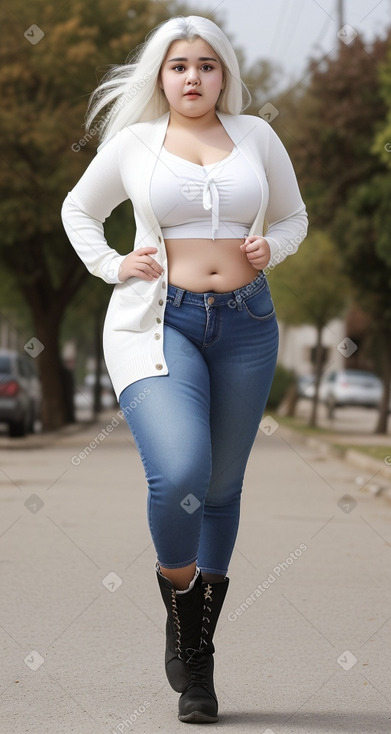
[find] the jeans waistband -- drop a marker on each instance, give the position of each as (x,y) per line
(176,295)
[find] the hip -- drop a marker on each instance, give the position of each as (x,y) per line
(245,315)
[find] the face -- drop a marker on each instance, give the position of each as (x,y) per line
(191,77)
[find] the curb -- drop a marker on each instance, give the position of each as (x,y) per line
(353,457)
(46,440)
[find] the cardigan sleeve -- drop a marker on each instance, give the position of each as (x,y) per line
(88,204)
(286,216)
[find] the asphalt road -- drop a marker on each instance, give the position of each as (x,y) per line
(303,640)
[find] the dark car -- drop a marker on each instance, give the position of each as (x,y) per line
(20,392)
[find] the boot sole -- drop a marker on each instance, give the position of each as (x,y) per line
(197,717)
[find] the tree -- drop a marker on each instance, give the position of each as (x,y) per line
(345,183)
(46,77)
(309,289)
(382,220)
(333,126)
(45,81)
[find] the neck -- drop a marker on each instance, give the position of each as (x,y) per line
(193,123)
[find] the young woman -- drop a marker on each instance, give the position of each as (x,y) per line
(190,336)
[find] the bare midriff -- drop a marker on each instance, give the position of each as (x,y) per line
(202,265)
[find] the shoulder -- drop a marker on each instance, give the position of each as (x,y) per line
(248,124)
(136,132)
(140,131)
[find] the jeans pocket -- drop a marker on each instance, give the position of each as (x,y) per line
(260,306)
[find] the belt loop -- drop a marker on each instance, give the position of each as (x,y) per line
(178,297)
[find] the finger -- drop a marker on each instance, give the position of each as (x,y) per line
(144,275)
(149,270)
(152,264)
(253,247)
(145,250)
(256,256)
(252,258)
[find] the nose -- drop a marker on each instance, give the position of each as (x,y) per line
(192,77)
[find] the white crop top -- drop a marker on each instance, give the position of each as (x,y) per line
(219,200)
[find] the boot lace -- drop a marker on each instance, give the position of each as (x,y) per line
(204,642)
(198,659)
(178,640)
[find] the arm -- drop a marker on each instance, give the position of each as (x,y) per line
(87,206)
(286,216)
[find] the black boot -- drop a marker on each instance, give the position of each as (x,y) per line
(184,619)
(198,703)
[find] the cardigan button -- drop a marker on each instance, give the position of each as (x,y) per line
(164,284)
(161,302)
(158,320)
(159,238)
(157,336)
(158,366)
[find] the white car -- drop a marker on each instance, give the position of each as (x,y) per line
(350,387)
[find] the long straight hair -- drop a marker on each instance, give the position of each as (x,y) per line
(132,89)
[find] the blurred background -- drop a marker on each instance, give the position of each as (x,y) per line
(320,73)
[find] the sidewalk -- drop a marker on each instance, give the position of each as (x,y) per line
(302,642)
(336,438)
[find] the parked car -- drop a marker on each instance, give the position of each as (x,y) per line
(20,392)
(306,386)
(84,396)
(350,387)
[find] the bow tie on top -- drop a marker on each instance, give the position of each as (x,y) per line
(210,201)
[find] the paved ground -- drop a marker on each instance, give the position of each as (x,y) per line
(354,423)
(303,641)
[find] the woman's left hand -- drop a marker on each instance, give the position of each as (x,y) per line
(257,250)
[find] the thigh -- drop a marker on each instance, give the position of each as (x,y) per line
(170,424)
(241,369)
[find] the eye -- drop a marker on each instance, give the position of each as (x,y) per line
(178,66)
(207,67)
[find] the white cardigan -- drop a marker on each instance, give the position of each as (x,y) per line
(122,169)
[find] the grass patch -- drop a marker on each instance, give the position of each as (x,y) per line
(376,452)
(298,424)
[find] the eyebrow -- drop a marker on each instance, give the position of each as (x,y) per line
(201,58)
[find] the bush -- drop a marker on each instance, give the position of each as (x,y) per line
(283,380)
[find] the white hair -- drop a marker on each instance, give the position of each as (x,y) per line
(133,91)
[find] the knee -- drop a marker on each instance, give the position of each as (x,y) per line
(223,494)
(187,476)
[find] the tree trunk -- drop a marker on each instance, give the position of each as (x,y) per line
(318,374)
(98,362)
(382,423)
(55,412)
(291,401)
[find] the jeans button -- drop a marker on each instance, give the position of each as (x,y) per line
(210,300)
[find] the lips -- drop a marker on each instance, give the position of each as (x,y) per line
(192,92)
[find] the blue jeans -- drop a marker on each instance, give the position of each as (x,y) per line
(194,428)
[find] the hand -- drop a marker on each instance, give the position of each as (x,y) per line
(257,250)
(140,264)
